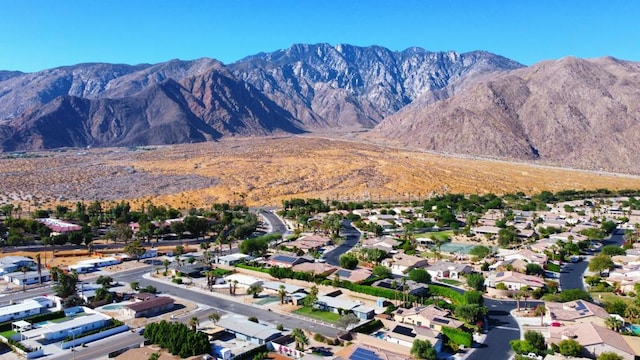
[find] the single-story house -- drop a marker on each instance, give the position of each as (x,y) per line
(404,334)
(514,281)
(594,339)
(28,278)
(289,288)
(243,329)
(244,280)
(401,263)
(448,269)
(59,226)
(21,310)
(414,288)
(9,264)
(577,311)
(286,261)
(356,275)
(526,255)
(336,305)
(232,259)
(309,242)
(149,307)
(322,269)
(430,316)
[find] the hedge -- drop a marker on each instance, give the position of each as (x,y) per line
(254,268)
(369,327)
(251,353)
(456,297)
(34,319)
(458,336)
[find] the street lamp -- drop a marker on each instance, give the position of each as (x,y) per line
(73,343)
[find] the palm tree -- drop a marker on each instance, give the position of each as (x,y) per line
(540,310)
(632,313)
(166,264)
(193,323)
(517,295)
(282,293)
(24,270)
(613,323)
(214,317)
(134,285)
(300,338)
(526,293)
(211,278)
(255,290)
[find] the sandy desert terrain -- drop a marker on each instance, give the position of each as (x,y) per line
(265,171)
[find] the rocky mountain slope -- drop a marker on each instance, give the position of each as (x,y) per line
(574,112)
(307,87)
(353,87)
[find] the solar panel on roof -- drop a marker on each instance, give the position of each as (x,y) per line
(344,273)
(403,330)
(580,306)
(441,320)
(364,354)
(285,258)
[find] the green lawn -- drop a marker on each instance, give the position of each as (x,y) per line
(7,334)
(553,267)
(440,235)
(450,281)
(603,297)
(318,314)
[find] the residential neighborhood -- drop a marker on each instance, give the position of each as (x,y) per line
(563,277)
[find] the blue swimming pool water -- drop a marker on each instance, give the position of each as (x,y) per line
(112,307)
(635,329)
(379,334)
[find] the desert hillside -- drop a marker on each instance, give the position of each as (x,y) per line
(264,171)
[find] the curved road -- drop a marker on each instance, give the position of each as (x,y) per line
(351,238)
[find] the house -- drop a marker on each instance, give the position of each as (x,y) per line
(431,317)
(232,259)
(191,270)
(21,310)
(578,311)
(525,255)
(568,237)
(486,230)
(243,329)
(546,244)
(148,307)
(59,226)
(404,334)
(321,269)
(401,263)
(309,242)
(244,280)
(286,261)
(9,264)
(385,243)
(414,288)
(27,278)
(595,339)
(448,269)
(356,275)
(360,351)
(514,280)
(337,305)
(289,288)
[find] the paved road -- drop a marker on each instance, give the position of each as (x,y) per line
(351,236)
(225,305)
(572,276)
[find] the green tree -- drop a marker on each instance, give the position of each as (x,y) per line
(534,269)
(600,263)
(474,297)
(470,313)
(616,307)
(475,281)
(536,339)
(300,338)
(135,249)
(66,285)
(166,264)
(134,285)
(569,347)
(154,356)
(312,297)
(420,275)
(349,261)
(282,293)
(347,320)
(255,290)
(613,323)
(612,250)
(104,281)
(480,251)
(609,356)
(381,272)
(422,349)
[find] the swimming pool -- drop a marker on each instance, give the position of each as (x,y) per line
(379,335)
(635,329)
(112,307)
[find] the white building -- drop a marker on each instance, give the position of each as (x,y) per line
(27,278)
(24,309)
(9,264)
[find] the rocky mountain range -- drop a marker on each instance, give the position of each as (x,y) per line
(574,112)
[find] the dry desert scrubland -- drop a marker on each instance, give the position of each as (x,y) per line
(265,171)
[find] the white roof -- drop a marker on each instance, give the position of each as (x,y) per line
(75,322)
(26,305)
(232,257)
(337,303)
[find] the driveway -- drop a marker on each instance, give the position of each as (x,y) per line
(351,238)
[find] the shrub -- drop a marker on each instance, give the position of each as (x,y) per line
(458,336)
(501,286)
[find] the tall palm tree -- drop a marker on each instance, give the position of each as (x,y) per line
(517,295)
(255,290)
(282,293)
(193,323)
(300,338)
(541,311)
(166,264)
(24,270)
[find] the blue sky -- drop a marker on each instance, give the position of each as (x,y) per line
(42,34)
